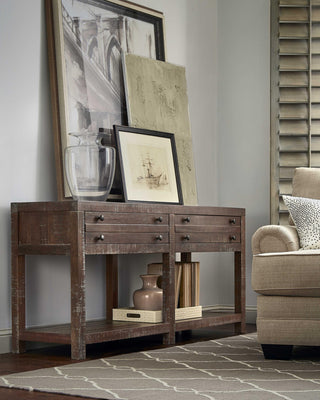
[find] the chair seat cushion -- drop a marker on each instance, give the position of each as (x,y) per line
(295,273)
(289,332)
(288,307)
(288,320)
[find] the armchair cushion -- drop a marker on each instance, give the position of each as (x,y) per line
(305,213)
(275,238)
(294,273)
(306,183)
(285,307)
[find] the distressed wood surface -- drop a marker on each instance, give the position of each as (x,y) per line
(111,284)
(240,282)
(78,229)
(78,305)
(168,284)
(98,206)
(17,286)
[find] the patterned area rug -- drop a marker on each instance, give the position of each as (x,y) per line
(225,369)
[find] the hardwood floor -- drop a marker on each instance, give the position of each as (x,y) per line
(60,355)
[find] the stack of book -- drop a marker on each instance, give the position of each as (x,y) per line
(187,285)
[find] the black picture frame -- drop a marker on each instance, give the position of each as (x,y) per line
(85,42)
(149,165)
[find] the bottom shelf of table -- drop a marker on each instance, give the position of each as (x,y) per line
(210,318)
(102,331)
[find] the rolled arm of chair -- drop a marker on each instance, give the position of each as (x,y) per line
(274,239)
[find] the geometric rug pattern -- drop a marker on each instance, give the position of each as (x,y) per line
(225,369)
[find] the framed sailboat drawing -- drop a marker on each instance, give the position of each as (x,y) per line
(149,166)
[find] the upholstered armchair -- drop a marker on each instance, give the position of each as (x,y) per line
(286,272)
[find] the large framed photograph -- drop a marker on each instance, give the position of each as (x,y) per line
(85,42)
(149,165)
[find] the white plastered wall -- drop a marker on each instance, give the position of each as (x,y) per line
(224,45)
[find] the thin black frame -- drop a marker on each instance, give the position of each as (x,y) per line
(117,131)
(140,15)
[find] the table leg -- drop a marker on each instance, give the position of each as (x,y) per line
(168,279)
(18,290)
(18,302)
(78,311)
(186,257)
(111,284)
(240,294)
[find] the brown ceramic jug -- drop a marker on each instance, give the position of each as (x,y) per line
(149,297)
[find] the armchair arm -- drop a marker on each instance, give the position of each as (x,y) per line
(274,239)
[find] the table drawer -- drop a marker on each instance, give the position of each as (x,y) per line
(207,220)
(126,218)
(209,237)
(126,238)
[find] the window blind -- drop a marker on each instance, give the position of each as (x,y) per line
(295,95)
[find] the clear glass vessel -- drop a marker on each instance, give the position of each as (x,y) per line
(90,167)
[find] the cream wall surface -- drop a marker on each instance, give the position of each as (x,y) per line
(224,45)
(243,116)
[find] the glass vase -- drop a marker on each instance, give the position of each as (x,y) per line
(90,167)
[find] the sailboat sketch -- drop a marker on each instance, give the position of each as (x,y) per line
(153,175)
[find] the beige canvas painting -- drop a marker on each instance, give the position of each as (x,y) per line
(156,95)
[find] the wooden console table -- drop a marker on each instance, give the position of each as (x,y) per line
(79,228)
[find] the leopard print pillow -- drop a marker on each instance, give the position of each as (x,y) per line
(306,216)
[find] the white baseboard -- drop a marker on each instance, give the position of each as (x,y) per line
(251,315)
(5,341)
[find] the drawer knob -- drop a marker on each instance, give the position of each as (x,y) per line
(186,219)
(186,237)
(159,219)
(232,221)
(159,237)
(100,217)
(232,237)
(101,237)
